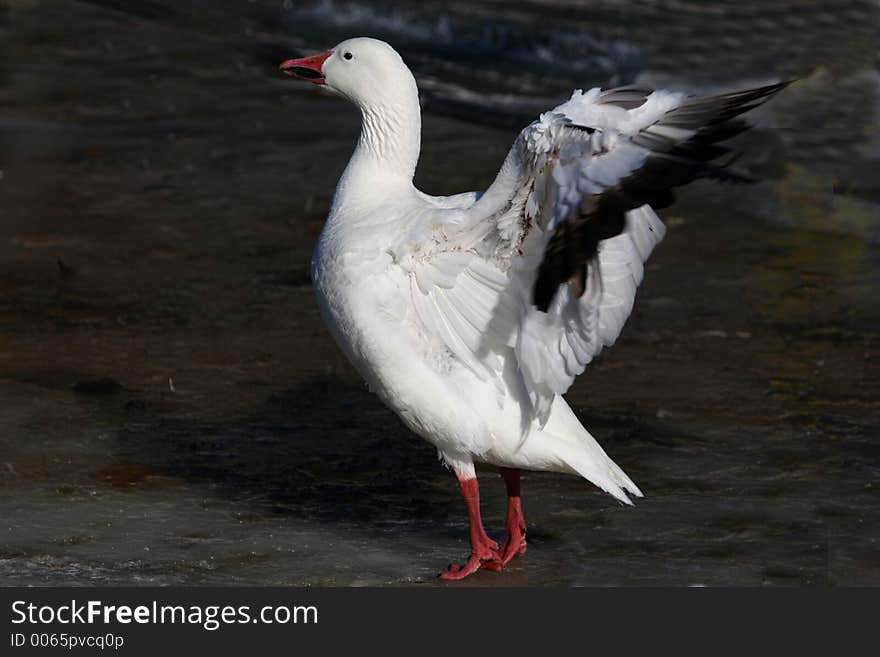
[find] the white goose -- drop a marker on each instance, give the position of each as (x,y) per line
(470,315)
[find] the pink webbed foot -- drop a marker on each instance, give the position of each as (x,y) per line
(487,556)
(515,543)
(484,551)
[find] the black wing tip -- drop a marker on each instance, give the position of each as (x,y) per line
(542,293)
(752,93)
(770,89)
(715,119)
(760,95)
(779,86)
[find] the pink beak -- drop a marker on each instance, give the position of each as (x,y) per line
(307,68)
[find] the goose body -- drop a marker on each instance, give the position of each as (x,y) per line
(471,315)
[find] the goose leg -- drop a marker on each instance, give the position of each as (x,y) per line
(484,551)
(515,543)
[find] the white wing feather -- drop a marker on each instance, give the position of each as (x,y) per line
(471,289)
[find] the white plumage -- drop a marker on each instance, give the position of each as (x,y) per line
(471,315)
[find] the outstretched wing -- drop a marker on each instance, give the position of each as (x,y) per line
(532,280)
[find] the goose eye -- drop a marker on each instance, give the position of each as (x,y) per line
(348,55)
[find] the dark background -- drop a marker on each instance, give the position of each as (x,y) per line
(172,410)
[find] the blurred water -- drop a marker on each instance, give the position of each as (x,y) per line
(173,410)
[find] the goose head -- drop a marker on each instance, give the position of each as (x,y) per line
(368,72)
(371,74)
